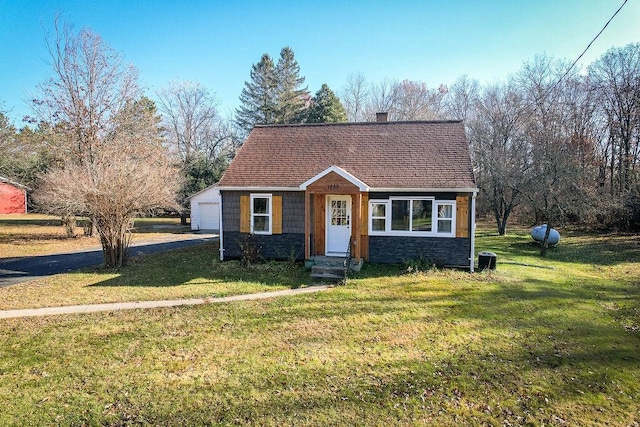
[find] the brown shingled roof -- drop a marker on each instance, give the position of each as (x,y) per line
(381,154)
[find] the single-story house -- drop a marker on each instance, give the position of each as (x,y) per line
(205,209)
(13,197)
(389,192)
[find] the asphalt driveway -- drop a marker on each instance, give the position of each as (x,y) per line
(18,270)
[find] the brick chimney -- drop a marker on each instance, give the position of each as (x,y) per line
(381,117)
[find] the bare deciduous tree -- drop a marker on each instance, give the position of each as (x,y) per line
(500,152)
(126,179)
(416,101)
(616,79)
(112,165)
(199,137)
(383,98)
(89,86)
(557,180)
(191,120)
(461,98)
(354,96)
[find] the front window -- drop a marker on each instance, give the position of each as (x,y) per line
(261,213)
(400,215)
(445,218)
(378,216)
(420,216)
(411,215)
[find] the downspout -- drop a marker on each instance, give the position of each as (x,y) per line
(220,228)
(473,232)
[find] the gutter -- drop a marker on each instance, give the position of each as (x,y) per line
(472,258)
(220,241)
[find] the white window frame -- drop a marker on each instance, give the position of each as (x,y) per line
(385,217)
(437,204)
(269,214)
(434,217)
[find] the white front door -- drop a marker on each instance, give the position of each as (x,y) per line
(338,225)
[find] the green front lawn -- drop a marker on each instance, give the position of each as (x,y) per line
(553,341)
(192,272)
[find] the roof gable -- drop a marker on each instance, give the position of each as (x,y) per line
(341,173)
(390,155)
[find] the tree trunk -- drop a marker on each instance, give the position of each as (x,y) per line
(69,222)
(501,219)
(114,252)
(502,228)
(545,241)
(183,218)
(88,228)
(115,238)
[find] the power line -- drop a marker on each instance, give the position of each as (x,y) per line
(589,45)
(546,93)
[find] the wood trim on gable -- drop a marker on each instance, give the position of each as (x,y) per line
(332,183)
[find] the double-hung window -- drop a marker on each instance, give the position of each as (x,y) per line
(261,210)
(379,216)
(419,216)
(445,218)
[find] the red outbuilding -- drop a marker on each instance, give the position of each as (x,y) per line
(13,197)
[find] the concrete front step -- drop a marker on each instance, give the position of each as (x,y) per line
(330,277)
(327,272)
(327,269)
(328,260)
(319,260)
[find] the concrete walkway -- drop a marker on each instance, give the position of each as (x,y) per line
(92,308)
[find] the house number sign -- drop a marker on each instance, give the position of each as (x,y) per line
(333,186)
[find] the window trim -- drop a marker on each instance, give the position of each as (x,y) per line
(452,219)
(434,215)
(372,217)
(269,214)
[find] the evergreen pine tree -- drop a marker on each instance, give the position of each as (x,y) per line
(258,98)
(326,107)
(291,101)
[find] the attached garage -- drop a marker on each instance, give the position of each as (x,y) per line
(205,209)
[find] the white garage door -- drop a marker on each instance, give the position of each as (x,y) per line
(209,216)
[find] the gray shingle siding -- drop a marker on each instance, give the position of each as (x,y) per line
(278,246)
(292,212)
(230,211)
(397,249)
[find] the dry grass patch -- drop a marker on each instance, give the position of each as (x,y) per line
(23,235)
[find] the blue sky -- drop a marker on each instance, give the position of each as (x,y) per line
(216,42)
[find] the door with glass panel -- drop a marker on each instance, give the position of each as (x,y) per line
(338,225)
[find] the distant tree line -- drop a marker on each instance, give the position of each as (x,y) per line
(548,143)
